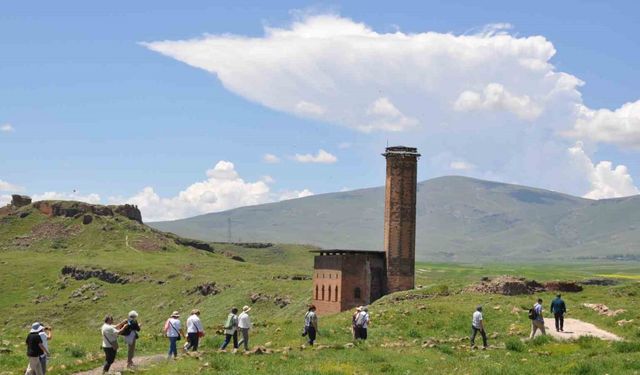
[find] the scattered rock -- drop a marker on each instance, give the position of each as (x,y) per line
(292,277)
(603,309)
(98,273)
(280,301)
(87,219)
(24,214)
(623,322)
(206,289)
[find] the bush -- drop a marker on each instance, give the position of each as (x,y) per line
(414,333)
(515,345)
(626,347)
(76,351)
(541,340)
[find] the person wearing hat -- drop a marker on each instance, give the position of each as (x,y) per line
(311,324)
(194,331)
(231,330)
(354,331)
(110,341)
(35,349)
(173,330)
(477,325)
(362,323)
(244,324)
(130,333)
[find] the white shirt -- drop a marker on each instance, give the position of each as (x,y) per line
(109,335)
(194,325)
(45,341)
(173,327)
(244,321)
(363,318)
(477,319)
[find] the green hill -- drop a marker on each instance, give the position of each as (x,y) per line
(68,264)
(458,219)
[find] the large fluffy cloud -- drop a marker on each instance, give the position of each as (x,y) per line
(223,189)
(606,181)
(493,99)
(621,126)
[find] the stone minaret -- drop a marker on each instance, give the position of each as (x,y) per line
(400,217)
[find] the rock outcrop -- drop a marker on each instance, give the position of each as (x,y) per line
(100,274)
(77,209)
(20,200)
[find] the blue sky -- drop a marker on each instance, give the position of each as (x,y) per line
(85,106)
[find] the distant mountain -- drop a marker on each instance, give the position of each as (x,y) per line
(458,219)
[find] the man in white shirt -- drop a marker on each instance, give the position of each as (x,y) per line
(244,324)
(362,323)
(477,325)
(537,323)
(194,330)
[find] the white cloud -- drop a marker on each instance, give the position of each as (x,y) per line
(321,157)
(74,196)
(4,200)
(270,158)
(344,145)
(307,108)
(495,97)
(294,194)
(461,165)
(620,127)
(505,105)
(606,181)
(223,189)
(6,128)
(6,186)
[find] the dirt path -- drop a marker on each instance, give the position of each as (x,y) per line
(574,328)
(121,365)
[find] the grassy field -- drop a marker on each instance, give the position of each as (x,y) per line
(425,330)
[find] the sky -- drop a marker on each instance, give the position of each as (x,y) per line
(195,107)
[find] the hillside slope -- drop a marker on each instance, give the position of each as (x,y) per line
(458,219)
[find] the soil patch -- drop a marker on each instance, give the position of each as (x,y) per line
(575,328)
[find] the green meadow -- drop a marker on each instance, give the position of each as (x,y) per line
(421,331)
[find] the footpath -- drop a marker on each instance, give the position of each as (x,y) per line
(575,328)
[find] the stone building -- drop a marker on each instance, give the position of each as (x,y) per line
(343,279)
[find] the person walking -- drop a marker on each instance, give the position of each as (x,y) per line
(131,335)
(558,308)
(354,331)
(194,331)
(110,341)
(310,324)
(477,325)
(537,323)
(244,324)
(35,349)
(173,330)
(362,323)
(231,330)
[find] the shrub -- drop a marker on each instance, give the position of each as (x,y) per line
(626,347)
(541,340)
(76,351)
(414,333)
(515,345)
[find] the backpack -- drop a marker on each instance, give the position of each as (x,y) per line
(532,314)
(229,323)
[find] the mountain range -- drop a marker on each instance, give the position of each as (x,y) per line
(459,219)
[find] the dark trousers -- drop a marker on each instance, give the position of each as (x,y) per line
(559,321)
(227,340)
(361,333)
(193,340)
(245,338)
(110,357)
(474,332)
(173,349)
(311,333)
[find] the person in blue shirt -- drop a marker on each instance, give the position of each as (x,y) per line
(558,308)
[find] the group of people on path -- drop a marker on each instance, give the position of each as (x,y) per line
(558,308)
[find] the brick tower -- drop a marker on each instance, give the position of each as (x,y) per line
(400,217)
